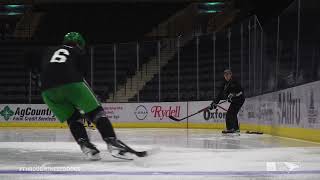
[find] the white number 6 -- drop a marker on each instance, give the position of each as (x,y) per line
(60,56)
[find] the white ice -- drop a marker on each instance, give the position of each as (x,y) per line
(176,154)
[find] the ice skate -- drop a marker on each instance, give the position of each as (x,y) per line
(120,150)
(231,132)
(89,150)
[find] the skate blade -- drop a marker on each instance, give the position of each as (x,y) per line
(231,134)
(95,157)
(137,155)
(126,156)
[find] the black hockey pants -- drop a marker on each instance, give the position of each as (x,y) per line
(231,117)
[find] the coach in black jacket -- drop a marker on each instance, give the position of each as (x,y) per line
(233,92)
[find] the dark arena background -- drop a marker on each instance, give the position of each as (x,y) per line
(159,68)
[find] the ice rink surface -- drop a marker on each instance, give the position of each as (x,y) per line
(178,154)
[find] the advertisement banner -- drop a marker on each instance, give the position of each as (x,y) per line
(209,116)
(258,110)
(145,112)
(294,107)
(26,113)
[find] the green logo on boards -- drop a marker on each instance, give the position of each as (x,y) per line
(6,112)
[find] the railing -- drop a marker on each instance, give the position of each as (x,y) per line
(264,56)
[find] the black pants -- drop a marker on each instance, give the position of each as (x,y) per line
(231,117)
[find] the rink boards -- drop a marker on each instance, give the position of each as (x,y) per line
(291,112)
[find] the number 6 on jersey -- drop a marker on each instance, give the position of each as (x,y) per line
(60,56)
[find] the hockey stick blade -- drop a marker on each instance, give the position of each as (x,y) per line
(141,153)
(137,153)
(254,132)
(122,155)
(175,119)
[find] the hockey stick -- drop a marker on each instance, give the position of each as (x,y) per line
(201,110)
(220,107)
(254,132)
(137,153)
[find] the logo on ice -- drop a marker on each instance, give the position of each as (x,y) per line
(161,112)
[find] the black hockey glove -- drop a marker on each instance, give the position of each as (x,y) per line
(230,96)
(213,106)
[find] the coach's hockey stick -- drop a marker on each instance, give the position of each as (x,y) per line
(220,107)
(201,110)
(254,132)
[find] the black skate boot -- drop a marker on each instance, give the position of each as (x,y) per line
(231,132)
(91,126)
(89,149)
(226,131)
(120,150)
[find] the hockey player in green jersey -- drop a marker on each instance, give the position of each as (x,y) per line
(65,92)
